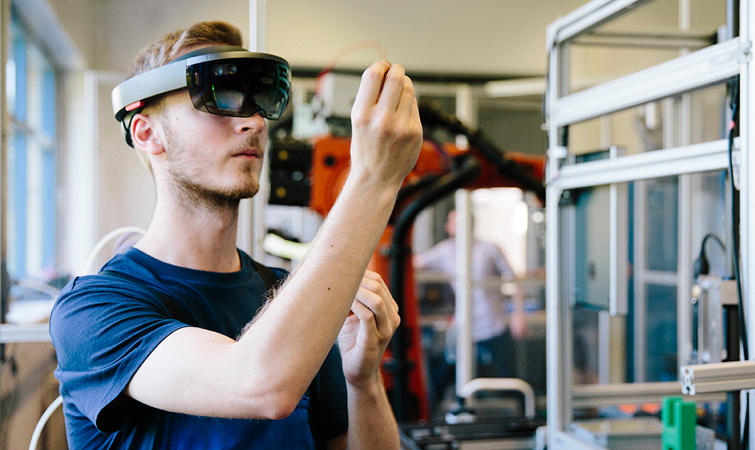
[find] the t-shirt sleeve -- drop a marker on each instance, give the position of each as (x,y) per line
(103,330)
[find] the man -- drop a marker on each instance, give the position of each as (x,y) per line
(133,376)
(491,331)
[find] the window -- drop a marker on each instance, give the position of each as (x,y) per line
(31,182)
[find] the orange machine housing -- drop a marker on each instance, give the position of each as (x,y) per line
(330,167)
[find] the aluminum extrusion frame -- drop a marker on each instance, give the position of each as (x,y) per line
(708,66)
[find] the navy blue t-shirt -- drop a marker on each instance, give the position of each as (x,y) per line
(104,327)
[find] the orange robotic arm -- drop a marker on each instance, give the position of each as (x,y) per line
(404,371)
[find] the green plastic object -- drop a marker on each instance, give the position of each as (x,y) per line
(679,422)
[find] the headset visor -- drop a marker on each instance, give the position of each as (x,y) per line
(221,79)
(240,87)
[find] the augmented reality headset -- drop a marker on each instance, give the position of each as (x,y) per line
(224,80)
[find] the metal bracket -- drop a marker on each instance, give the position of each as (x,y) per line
(746,52)
(558,152)
(555,154)
(735,164)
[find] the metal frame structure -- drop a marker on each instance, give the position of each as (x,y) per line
(707,66)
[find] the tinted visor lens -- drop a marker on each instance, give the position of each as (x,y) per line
(240,87)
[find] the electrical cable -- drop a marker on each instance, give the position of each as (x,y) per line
(351,48)
(341,54)
(734,85)
(702,267)
(734,103)
(544,112)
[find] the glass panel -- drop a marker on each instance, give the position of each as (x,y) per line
(710,232)
(16,219)
(650,334)
(660,337)
(41,93)
(661,223)
(652,126)
(657,240)
(49,207)
(711,214)
(16,71)
(30,245)
(585,347)
(592,228)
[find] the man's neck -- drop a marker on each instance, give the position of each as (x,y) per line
(200,238)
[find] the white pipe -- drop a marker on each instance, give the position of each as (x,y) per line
(42,421)
(98,247)
(503,384)
(86,271)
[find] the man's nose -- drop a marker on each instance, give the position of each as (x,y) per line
(253,124)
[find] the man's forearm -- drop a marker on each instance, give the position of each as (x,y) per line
(371,422)
(317,299)
(286,346)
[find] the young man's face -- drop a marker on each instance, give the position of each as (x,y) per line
(211,157)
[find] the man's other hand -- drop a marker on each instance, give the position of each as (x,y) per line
(367,332)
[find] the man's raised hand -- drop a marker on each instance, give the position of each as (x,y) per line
(386,129)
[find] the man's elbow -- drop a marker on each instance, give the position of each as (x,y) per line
(274,404)
(280,409)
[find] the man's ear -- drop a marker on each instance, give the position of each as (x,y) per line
(145,134)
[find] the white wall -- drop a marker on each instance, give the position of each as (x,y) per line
(123,27)
(77,18)
(478,36)
(473,36)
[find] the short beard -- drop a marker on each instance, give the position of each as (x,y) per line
(197,197)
